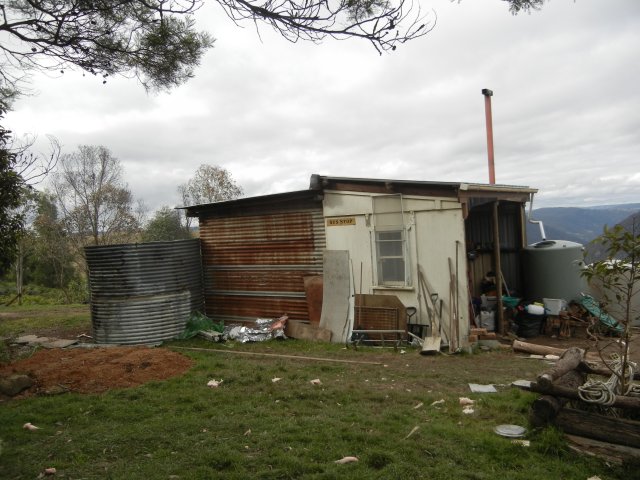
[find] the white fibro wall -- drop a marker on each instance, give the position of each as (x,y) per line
(387,258)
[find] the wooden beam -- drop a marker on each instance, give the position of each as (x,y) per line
(498,268)
(276,355)
(600,427)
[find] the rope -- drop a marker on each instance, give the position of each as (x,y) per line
(604,393)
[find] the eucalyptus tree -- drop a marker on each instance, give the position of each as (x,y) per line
(93,199)
(209,184)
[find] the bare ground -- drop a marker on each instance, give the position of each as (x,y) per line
(95,370)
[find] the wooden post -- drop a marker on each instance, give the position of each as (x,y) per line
(545,409)
(498,268)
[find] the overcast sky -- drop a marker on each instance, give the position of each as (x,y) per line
(566,106)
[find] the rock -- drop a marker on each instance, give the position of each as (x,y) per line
(59,343)
(56,390)
(15,384)
(26,339)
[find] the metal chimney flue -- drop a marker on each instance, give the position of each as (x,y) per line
(487,111)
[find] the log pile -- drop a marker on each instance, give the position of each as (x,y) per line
(562,405)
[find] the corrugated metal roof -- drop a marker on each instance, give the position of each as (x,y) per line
(319,183)
(322,182)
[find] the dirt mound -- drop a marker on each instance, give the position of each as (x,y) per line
(96,370)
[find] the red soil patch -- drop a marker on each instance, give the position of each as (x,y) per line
(96,370)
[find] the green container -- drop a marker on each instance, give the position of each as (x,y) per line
(552,269)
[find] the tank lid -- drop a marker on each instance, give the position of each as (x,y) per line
(555,245)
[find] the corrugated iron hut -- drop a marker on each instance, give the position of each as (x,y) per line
(388,251)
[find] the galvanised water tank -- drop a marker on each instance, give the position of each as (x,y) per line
(144,292)
(552,269)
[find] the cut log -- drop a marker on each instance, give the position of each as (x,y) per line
(535,349)
(607,429)
(601,369)
(546,408)
(525,347)
(571,393)
(569,361)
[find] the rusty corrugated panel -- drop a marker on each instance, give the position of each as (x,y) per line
(254,265)
(245,308)
(144,293)
(314,289)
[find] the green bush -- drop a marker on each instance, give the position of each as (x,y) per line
(77,292)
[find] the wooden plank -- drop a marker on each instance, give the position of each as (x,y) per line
(609,451)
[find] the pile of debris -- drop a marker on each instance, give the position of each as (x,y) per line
(258,331)
(587,399)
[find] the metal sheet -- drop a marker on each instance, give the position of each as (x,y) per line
(337,290)
(143,293)
(254,265)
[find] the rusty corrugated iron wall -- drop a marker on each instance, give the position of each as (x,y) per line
(254,265)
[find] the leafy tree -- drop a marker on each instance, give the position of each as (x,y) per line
(210,183)
(53,261)
(19,168)
(384,23)
(164,226)
(618,278)
(94,201)
(156,40)
(517,6)
(11,187)
(26,238)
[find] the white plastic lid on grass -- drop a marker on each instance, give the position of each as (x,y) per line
(511,431)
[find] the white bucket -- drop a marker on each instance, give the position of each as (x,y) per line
(533,309)
(554,306)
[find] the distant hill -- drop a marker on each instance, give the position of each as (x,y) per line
(597,251)
(579,225)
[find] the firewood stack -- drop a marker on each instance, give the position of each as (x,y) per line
(565,401)
(575,318)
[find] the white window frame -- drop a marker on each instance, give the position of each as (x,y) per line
(385,223)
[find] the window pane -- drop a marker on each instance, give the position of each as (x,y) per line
(392,269)
(391,249)
(394,235)
(391,263)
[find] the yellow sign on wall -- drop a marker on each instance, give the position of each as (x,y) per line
(340,222)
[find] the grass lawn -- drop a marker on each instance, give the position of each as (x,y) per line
(252,427)
(44,319)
